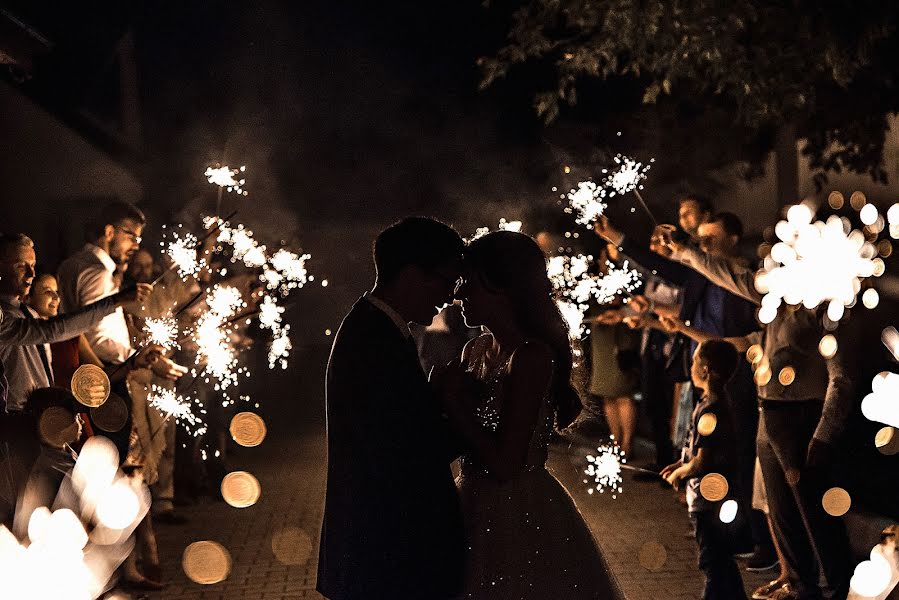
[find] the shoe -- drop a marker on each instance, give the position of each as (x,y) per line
(169,517)
(784,592)
(764,592)
(762,560)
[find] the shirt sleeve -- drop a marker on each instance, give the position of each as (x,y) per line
(840,396)
(18,331)
(666,269)
(735,278)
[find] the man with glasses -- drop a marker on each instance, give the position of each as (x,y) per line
(96,272)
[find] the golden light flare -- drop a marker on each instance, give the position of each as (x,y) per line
(786,376)
(828,346)
(707,423)
(755,353)
(57,426)
(857,200)
(240,489)
(836,200)
(247,429)
(652,556)
(206,562)
(713,487)
(292,546)
(90,385)
(887,441)
(112,415)
(836,502)
(762,375)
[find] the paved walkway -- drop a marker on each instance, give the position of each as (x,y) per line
(291,473)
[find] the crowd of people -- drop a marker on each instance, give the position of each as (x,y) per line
(91,310)
(678,346)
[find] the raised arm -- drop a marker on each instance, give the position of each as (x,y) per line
(675,325)
(735,278)
(668,270)
(17,331)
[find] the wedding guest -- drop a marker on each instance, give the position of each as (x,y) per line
(713,309)
(802,421)
(23,355)
(710,450)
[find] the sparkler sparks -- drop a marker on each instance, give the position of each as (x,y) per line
(163,332)
(504,225)
(226,177)
(616,281)
(183,253)
(573,285)
(628,176)
(605,469)
(794,271)
(288,271)
(587,201)
(181,408)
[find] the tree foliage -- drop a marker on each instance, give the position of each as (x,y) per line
(827,68)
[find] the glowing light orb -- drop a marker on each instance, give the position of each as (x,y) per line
(728,511)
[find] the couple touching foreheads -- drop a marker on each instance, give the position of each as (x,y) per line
(396,525)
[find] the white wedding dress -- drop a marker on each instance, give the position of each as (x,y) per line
(526,538)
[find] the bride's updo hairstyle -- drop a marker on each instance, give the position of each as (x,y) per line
(513,264)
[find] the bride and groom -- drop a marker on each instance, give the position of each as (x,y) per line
(396,524)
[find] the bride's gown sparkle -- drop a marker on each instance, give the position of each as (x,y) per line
(527,539)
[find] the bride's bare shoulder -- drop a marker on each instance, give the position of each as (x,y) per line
(477,347)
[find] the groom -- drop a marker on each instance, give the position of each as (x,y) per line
(392,525)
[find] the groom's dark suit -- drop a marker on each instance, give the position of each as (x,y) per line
(392,526)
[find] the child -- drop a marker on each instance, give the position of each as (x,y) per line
(709,449)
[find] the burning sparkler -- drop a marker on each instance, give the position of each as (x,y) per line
(587,201)
(628,177)
(573,285)
(795,270)
(605,469)
(183,253)
(180,408)
(617,281)
(163,332)
(226,177)
(504,225)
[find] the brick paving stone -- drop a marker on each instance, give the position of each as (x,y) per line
(291,473)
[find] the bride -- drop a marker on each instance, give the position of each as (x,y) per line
(526,538)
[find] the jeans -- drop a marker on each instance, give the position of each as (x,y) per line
(722,576)
(808,536)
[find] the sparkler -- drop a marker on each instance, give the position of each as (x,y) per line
(163,332)
(605,469)
(573,285)
(814,263)
(183,253)
(616,281)
(628,177)
(225,177)
(587,201)
(171,404)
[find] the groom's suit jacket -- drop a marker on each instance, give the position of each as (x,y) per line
(392,525)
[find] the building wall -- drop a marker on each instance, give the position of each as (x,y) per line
(52,178)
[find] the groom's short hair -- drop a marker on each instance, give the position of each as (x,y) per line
(420,241)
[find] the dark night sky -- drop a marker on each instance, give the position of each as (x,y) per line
(340,111)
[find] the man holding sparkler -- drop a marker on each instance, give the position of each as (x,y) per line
(392,526)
